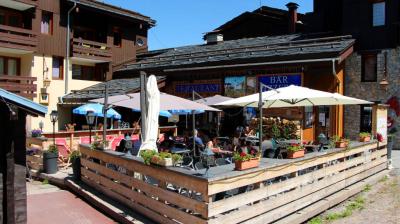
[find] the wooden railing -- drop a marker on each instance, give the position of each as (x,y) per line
(275,191)
(18,38)
(91,49)
(21,85)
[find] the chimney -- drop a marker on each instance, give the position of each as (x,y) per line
(292,8)
(214,38)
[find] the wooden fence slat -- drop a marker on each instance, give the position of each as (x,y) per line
(249,197)
(270,204)
(258,176)
(135,206)
(158,173)
(152,204)
(171,197)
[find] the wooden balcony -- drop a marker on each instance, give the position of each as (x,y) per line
(21,85)
(91,50)
(18,38)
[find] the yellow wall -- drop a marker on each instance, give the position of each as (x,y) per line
(55,90)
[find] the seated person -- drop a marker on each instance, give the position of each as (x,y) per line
(197,139)
(246,147)
(213,145)
(248,131)
(125,144)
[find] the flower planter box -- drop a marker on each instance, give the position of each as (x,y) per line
(294,155)
(341,144)
(163,162)
(365,139)
(244,165)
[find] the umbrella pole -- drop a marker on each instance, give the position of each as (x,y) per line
(143,103)
(105,113)
(194,127)
(260,104)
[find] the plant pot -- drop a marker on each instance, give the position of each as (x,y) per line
(164,162)
(365,139)
(341,144)
(76,168)
(390,143)
(294,155)
(244,165)
(50,165)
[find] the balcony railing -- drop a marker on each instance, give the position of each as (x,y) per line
(18,38)
(91,50)
(21,85)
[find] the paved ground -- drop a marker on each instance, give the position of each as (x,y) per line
(381,201)
(49,204)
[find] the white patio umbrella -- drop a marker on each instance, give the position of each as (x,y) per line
(291,96)
(153,102)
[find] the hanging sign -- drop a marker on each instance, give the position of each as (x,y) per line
(280,80)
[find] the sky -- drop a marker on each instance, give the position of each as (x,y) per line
(183,22)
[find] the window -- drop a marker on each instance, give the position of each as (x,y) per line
(308,117)
(9,66)
(83,72)
(140,42)
(366,119)
(117,37)
(57,68)
(378,14)
(46,25)
(369,68)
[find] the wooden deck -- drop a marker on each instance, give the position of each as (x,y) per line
(273,192)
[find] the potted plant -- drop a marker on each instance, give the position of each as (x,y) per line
(365,137)
(245,161)
(161,159)
(75,158)
(295,151)
(36,133)
(147,155)
(50,157)
(340,142)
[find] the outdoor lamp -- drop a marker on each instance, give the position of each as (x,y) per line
(384,84)
(90,116)
(41,125)
(54,118)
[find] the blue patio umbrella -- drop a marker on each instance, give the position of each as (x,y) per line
(97,109)
(163,113)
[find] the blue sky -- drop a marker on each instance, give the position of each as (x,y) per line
(183,22)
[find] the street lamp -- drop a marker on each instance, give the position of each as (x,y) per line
(54,118)
(90,120)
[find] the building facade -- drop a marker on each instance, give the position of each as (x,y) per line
(372,71)
(33,48)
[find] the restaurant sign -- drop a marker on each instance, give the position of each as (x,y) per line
(280,80)
(199,88)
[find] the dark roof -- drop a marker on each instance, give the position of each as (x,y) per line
(268,48)
(29,106)
(115,10)
(263,13)
(115,87)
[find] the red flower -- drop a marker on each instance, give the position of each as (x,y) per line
(242,154)
(379,137)
(304,143)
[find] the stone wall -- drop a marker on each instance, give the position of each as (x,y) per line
(372,91)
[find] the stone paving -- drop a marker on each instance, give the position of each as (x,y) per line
(49,204)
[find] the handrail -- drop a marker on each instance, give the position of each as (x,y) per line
(17,78)
(90,42)
(17,30)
